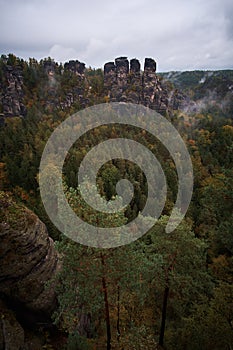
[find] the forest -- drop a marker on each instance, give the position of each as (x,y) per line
(165,290)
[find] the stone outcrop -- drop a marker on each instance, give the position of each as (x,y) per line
(49,66)
(69,86)
(11,91)
(13,336)
(125,82)
(58,96)
(11,332)
(76,69)
(122,71)
(28,259)
(154,96)
(135,82)
(28,267)
(110,78)
(178,100)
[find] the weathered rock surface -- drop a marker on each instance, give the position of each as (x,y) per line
(11,332)
(135,82)
(11,92)
(28,259)
(62,95)
(125,82)
(76,67)
(78,92)
(14,337)
(154,95)
(68,86)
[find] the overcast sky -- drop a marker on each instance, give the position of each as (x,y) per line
(178,34)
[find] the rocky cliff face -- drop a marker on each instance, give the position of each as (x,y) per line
(11,332)
(66,87)
(76,67)
(77,94)
(125,82)
(28,259)
(53,87)
(11,91)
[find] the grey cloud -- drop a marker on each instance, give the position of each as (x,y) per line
(178,34)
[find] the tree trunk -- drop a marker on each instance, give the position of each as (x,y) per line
(164,312)
(107,316)
(165,298)
(118,314)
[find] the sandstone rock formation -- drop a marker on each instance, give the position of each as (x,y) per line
(135,82)
(154,96)
(77,70)
(68,86)
(125,82)
(28,267)
(49,66)
(76,67)
(11,332)
(11,92)
(28,259)
(13,336)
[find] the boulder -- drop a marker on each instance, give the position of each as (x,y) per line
(28,260)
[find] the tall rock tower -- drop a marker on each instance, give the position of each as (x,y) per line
(154,96)
(125,82)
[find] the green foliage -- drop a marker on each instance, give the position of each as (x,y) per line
(77,342)
(140,272)
(11,212)
(211,321)
(194,262)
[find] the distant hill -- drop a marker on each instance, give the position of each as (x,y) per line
(199,80)
(209,90)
